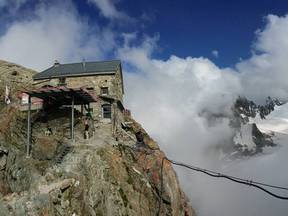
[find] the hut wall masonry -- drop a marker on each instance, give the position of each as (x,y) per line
(98,84)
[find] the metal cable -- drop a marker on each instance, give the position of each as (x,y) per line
(218,175)
(232,177)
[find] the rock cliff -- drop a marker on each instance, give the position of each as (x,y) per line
(105,175)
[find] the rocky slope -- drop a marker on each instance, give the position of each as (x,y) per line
(105,175)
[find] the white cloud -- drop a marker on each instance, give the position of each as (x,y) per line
(12,5)
(266,73)
(56,32)
(109,10)
(170,96)
(215,53)
(172,99)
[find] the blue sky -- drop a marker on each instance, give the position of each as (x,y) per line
(186,28)
(196,28)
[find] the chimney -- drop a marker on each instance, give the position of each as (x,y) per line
(56,63)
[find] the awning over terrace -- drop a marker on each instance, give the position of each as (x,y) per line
(60,95)
(64,95)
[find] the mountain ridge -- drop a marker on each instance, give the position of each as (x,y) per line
(101,176)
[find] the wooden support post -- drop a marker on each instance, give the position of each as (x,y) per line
(72,119)
(28,128)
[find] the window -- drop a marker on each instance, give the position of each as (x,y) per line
(62,81)
(106,111)
(104,91)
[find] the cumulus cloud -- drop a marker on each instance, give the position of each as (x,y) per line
(11,6)
(265,73)
(56,32)
(187,86)
(109,10)
(173,99)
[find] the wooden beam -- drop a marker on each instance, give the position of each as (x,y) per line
(81,95)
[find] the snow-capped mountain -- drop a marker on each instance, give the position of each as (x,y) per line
(255,125)
(245,108)
(275,122)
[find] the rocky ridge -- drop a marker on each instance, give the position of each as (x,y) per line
(105,175)
(248,139)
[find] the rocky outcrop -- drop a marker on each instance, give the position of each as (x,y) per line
(105,175)
(246,108)
(248,139)
(108,178)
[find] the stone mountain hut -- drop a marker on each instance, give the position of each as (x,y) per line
(91,87)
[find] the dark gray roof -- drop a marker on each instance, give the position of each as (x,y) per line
(79,69)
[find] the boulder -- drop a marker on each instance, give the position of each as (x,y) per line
(45,148)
